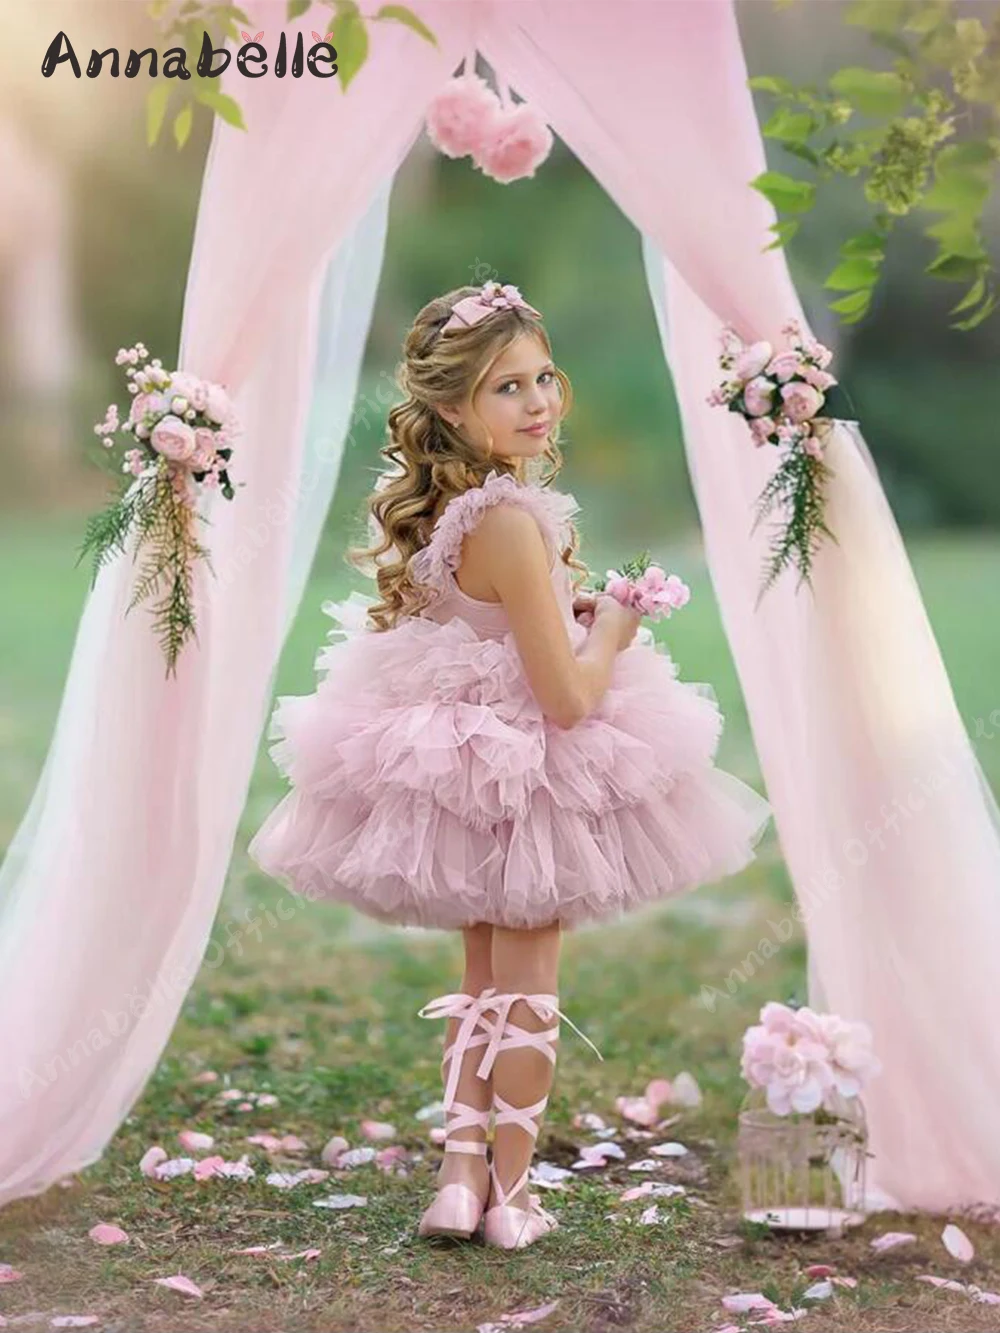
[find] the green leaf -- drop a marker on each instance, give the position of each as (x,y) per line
(852,307)
(403,15)
(784,231)
(877,15)
(873,92)
(804,151)
(785,192)
(870,244)
(223,105)
(953,268)
(957,192)
(156,110)
(296,8)
(858,271)
(350,37)
(795,126)
(769,83)
(973,296)
(182,125)
(985,309)
(958,236)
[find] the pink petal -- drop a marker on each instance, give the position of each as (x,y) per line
(658,1091)
(105,1234)
(844,1281)
(151,1159)
(206,1076)
(945,1283)
(957,1243)
(333,1150)
(302,1254)
(522,1317)
(208,1167)
(890,1239)
(987,1298)
(266,1141)
(9,1274)
(73,1321)
(292,1143)
(819,1270)
(178,1282)
(747,1300)
(377,1130)
(260,1249)
(194,1141)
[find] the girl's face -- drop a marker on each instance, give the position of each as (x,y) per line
(518,402)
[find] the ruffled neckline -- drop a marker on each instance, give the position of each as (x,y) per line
(436,562)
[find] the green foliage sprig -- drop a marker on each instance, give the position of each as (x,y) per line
(944,80)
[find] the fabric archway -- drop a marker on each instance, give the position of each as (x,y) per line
(108,892)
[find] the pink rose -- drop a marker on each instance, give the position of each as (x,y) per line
(204,449)
(191,388)
(762,428)
(784,366)
(819,379)
(173,439)
(812,446)
(618,586)
(157,403)
(802,401)
(752,360)
(758,395)
(217,406)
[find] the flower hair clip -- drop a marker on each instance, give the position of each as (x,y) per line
(490,297)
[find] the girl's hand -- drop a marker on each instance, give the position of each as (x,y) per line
(583,607)
(624,618)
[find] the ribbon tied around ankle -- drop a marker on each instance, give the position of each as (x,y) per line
(544,1006)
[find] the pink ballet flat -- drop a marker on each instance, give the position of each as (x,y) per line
(456,1209)
(504,1224)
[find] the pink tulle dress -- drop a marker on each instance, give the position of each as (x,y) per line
(428,789)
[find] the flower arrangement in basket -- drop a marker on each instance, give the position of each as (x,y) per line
(180,427)
(782,393)
(803,1140)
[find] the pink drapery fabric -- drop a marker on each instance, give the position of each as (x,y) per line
(652,98)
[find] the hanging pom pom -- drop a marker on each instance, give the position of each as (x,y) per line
(518,143)
(461,117)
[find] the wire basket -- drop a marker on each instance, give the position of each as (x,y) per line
(803,1171)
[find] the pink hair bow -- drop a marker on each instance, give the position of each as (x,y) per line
(491,296)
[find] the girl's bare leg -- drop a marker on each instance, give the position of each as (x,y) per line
(464,1168)
(525,961)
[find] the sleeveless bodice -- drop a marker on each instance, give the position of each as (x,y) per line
(435,563)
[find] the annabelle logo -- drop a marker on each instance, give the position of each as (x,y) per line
(251,59)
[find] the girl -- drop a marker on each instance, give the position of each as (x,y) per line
(477,757)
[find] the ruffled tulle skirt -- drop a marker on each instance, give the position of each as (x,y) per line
(428,788)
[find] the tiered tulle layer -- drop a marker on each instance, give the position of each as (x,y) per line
(428,788)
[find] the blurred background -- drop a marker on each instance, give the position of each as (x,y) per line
(95,237)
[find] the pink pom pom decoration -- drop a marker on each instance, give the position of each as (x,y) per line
(460,118)
(519,142)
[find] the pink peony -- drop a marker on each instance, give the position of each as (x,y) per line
(802,401)
(812,445)
(173,439)
(801,1078)
(784,366)
(461,118)
(752,360)
(779,1018)
(758,396)
(618,586)
(204,451)
(852,1060)
(518,142)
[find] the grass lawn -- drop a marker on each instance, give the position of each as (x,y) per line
(321,1010)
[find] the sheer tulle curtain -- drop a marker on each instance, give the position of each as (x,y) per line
(111,884)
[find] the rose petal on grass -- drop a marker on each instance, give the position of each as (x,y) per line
(636,1109)
(377,1131)
(668,1150)
(820,1270)
(342,1201)
(231,1095)
(206,1076)
(176,1166)
(194,1141)
(844,1281)
(208,1167)
(302,1254)
(269,1142)
(646,1164)
(286,1180)
(777,1316)
(957,1243)
(658,1091)
(9,1274)
(588,1120)
(356,1157)
(819,1291)
(261,1249)
(890,1239)
(743,1301)
(291,1143)
(266,1099)
(649,1215)
(73,1321)
(437,1135)
(151,1159)
(685,1090)
(946,1283)
(178,1282)
(106,1234)
(332,1149)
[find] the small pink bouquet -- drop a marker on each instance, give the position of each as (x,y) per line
(801,1058)
(645,587)
(179,428)
(782,393)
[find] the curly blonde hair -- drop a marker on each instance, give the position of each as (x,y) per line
(432,461)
